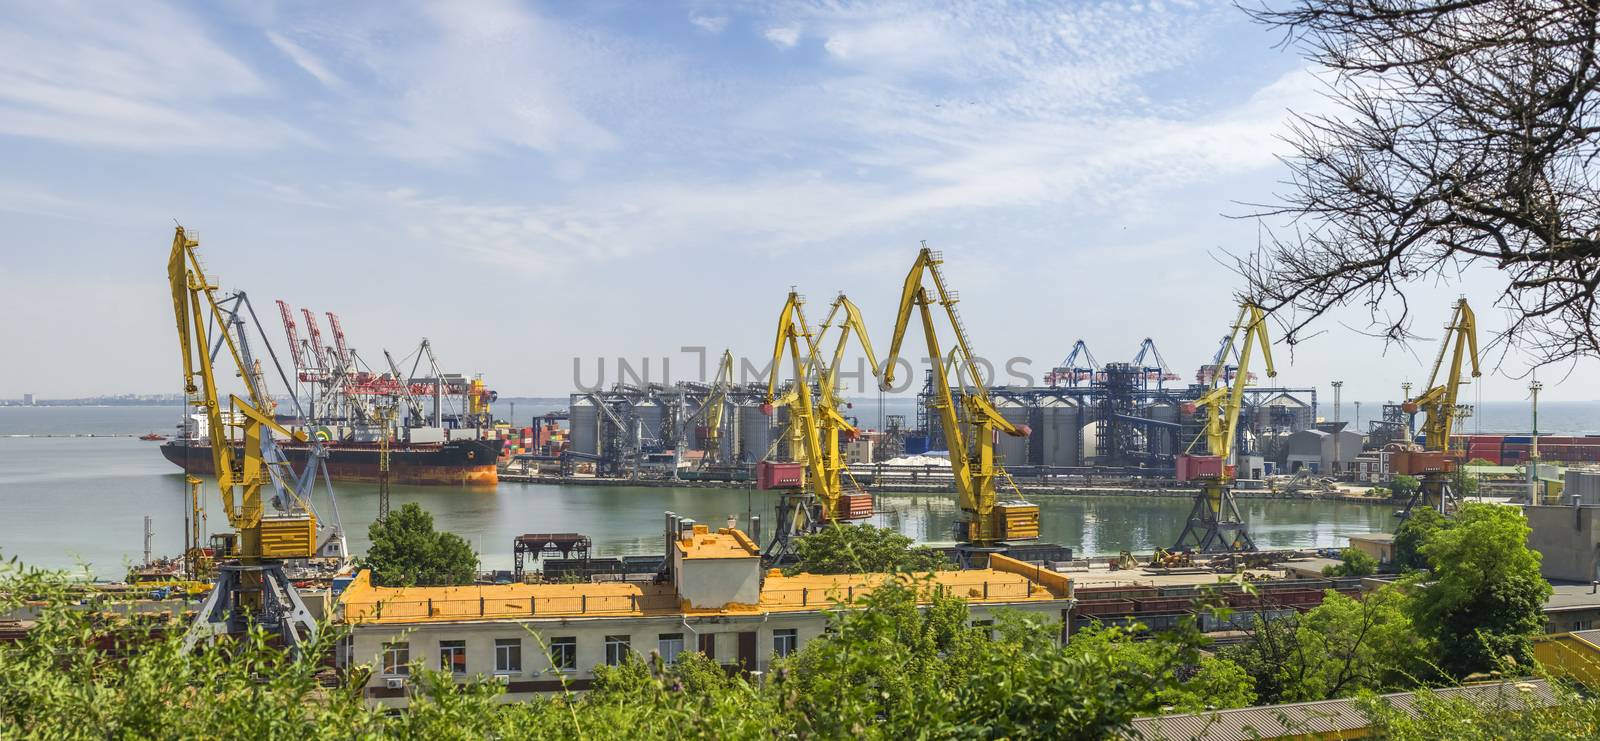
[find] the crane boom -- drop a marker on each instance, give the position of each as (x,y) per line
(989,522)
(294,339)
(315,334)
(338,340)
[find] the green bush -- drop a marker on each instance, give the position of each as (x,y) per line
(846,549)
(1356,562)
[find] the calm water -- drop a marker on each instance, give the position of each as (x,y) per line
(71,500)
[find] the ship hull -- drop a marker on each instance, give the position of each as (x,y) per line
(454,463)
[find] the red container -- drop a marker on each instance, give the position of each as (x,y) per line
(775,475)
(855,506)
(1192,467)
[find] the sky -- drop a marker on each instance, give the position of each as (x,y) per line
(539,186)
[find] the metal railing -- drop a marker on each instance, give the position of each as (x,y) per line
(630,604)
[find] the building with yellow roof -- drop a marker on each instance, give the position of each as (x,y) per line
(715,598)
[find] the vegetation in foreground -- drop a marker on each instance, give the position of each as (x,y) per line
(887,669)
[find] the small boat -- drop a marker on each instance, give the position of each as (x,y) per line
(153,436)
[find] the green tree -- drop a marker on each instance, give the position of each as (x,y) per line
(407,551)
(894,669)
(1417,529)
(843,549)
(1486,598)
(1355,562)
(1341,647)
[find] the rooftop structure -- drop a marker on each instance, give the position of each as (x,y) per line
(1331,718)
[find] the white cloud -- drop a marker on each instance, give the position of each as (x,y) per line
(448,82)
(710,23)
(783,36)
(145,76)
(305,60)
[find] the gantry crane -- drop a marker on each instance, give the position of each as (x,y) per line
(970,432)
(1214,524)
(252,588)
(1433,464)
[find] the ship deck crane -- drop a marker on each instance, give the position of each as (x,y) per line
(1433,464)
(253,588)
(1214,524)
(988,522)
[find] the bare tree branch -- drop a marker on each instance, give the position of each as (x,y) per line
(1466,136)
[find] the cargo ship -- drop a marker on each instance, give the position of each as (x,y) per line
(468,462)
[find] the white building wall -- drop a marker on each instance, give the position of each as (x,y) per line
(537,676)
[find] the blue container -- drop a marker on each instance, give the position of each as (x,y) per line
(916,445)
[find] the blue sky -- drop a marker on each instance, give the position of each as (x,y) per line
(526,183)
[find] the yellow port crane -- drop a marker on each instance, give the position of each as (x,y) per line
(970,432)
(252,588)
(713,413)
(817,424)
(798,512)
(1433,464)
(833,427)
(1214,524)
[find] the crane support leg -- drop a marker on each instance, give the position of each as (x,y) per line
(799,514)
(1214,524)
(259,594)
(1433,492)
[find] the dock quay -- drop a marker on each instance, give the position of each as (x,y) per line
(1169,490)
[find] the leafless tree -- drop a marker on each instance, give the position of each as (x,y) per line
(1463,136)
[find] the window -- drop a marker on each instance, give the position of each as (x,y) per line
(453,656)
(564,654)
(616,650)
(397,658)
(508,654)
(784,641)
(670,645)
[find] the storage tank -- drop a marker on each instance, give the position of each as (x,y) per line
(650,416)
(1013,450)
(1161,438)
(585,424)
(1060,422)
(755,432)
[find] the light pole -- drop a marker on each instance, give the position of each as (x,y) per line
(1337,385)
(1533,456)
